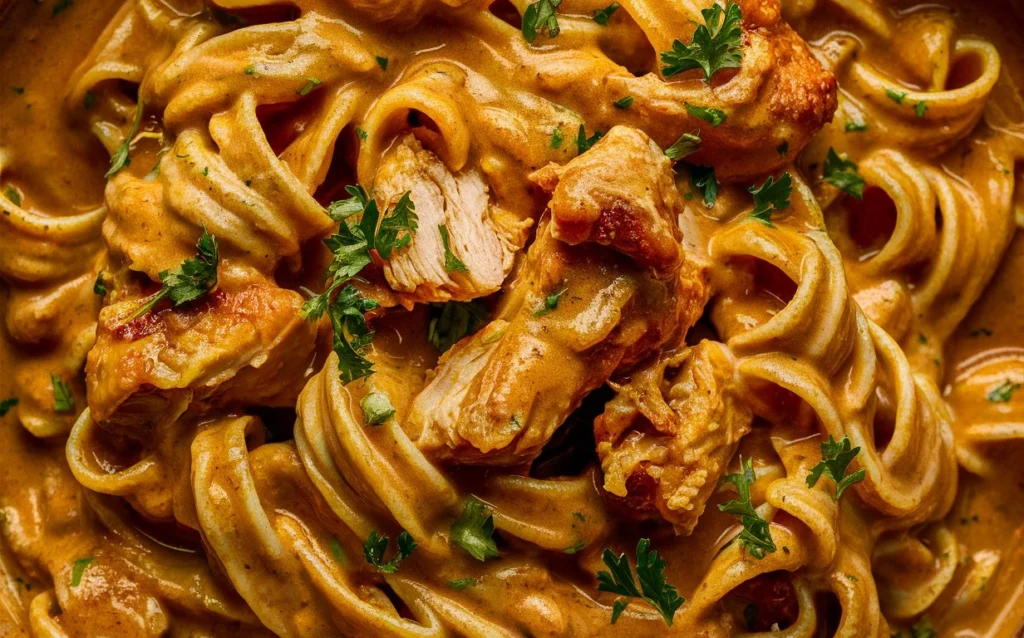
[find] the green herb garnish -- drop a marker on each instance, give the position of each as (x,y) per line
(756,536)
(716,45)
(650,569)
(835,460)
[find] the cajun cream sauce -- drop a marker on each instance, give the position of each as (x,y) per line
(204,505)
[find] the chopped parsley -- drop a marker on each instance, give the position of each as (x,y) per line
(7,404)
(842,173)
(382,62)
(1001,394)
(78,569)
(556,138)
(702,178)
(771,196)
(89,100)
(361,133)
(377,408)
(311,83)
(583,143)
(63,400)
(921,629)
(337,551)
(895,96)
(457,319)
(687,144)
(920,109)
(540,16)
(650,568)
(601,16)
(756,536)
(12,194)
(98,287)
(855,127)
(716,45)
(714,117)
(550,303)
(575,547)
(835,460)
(451,262)
(120,158)
(462,583)
(194,278)
(474,531)
(377,544)
(353,247)
(624,103)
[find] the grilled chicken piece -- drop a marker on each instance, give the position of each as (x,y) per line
(666,439)
(573,316)
(484,238)
(238,348)
(633,211)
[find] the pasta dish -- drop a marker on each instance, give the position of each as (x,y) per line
(512,318)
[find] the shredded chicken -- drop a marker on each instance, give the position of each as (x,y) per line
(573,316)
(592,200)
(479,235)
(666,439)
(229,349)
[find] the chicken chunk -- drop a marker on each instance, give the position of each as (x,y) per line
(573,317)
(666,439)
(232,348)
(634,211)
(482,237)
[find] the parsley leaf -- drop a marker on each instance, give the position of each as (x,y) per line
(842,173)
(550,303)
(715,45)
(377,408)
(601,16)
(78,569)
(382,62)
(362,133)
(451,262)
(650,569)
(462,583)
(99,288)
(855,127)
(474,529)
(1001,394)
(714,117)
(63,400)
(250,70)
(702,178)
(352,335)
(12,194)
(539,16)
(7,404)
(771,196)
(575,547)
(457,319)
(756,536)
(337,551)
(310,84)
(920,109)
(895,96)
(120,158)
(583,143)
(835,459)
(353,246)
(375,546)
(556,138)
(194,278)
(624,103)
(687,144)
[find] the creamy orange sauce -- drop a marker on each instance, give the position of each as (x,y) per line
(214,509)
